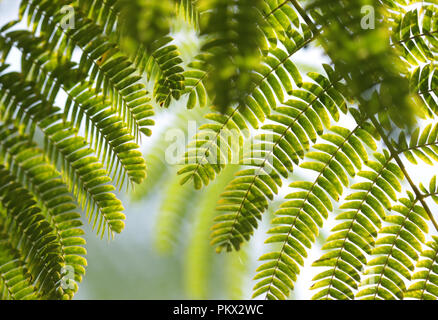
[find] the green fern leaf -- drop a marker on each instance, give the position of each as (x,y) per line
(32,235)
(82,172)
(397,248)
(110,69)
(203,153)
(272,155)
(15,279)
(298,220)
(353,239)
(425,286)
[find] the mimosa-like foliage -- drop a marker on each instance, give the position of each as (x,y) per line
(92,73)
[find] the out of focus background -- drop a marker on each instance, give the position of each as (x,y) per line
(164,250)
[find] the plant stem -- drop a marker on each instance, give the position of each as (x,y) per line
(306,18)
(396,157)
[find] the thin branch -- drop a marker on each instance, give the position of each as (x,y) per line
(306,18)
(396,157)
(277,8)
(424,34)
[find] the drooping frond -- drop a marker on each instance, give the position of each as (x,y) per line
(298,220)
(156,170)
(194,79)
(354,238)
(146,25)
(199,254)
(164,151)
(15,279)
(210,151)
(416,34)
(270,79)
(82,172)
(173,213)
(145,22)
(281,19)
(425,286)
(236,269)
(345,32)
(56,202)
(272,154)
(136,20)
(108,135)
(32,236)
(396,251)
(109,68)
(106,132)
(163,66)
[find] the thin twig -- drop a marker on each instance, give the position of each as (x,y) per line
(396,157)
(306,18)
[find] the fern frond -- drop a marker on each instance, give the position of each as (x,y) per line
(107,131)
(424,81)
(15,279)
(109,68)
(354,238)
(108,135)
(267,115)
(377,65)
(366,211)
(421,145)
(105,13)
(83,173)
(425,286)
(147,24)
(103,129)
(298,220)
(32,235)
(397,248)
(58,206)
(272,155)
(163,65)
(194,85)
(281,19)
(139,21)
(203,153)
(233,40)
(188,9)
(416,35)
(134,20)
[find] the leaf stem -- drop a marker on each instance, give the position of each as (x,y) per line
(306,18)
(396,157)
